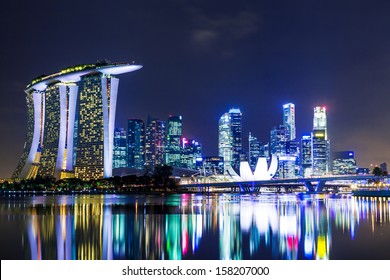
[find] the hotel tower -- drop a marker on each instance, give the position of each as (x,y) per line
(71,119)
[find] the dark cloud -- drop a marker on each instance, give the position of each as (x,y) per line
(222,31)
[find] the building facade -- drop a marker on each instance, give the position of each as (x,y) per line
(306,158)
(120,149)
(319,153)
(236,132)
(191,150)
(289,119)
(211,165)
(155,142)
(225,142)
(286,150)
(344,163)
(230,139)
(174,134)
(135,143)
(255,151)
(71,117)
(321,164)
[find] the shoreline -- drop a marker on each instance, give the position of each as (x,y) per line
(371,193)
(358,193)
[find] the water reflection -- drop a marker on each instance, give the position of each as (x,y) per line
(198,226)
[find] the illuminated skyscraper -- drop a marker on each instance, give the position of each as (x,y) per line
(120,150)
(71,117)
(306,159)
(135,143)
(344,163)
(173,149)
(225,143)
(155,142)
(236,128)
(319,153)
(286,151)
(319,120)
(255,151)
(191,150)
(289,119)
(230,138)
(320,143)
(210,165)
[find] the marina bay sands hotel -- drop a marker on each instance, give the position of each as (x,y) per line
(71,119)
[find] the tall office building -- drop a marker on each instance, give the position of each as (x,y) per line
(135,143)
(344,163)
(225,142)
(71,117)
(120,149)
(230,138)
(279,136)
(306,158)
(286,151)
(236,128)
(191,150)
(155,142)
(320,143)
(210,166)
(289,119)
(319,153)
(174,133)
(319,119)
(254,151)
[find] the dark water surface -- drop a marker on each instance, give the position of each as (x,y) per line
(190,226)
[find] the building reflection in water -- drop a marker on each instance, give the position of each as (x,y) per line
(195,226)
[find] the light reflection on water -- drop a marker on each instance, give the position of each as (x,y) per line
(191,226)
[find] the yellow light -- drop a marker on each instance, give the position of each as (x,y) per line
(321,247)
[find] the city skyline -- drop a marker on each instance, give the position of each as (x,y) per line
(202,58)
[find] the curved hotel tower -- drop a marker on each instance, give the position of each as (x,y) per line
(71,119)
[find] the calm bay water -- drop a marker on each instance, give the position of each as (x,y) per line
(190,226)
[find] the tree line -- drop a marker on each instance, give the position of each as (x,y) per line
(159,179)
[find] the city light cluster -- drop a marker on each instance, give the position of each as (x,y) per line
(163,143)
(71,133)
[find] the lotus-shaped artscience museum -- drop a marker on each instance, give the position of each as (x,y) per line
(262,172)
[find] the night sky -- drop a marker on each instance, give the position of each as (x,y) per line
(202,57)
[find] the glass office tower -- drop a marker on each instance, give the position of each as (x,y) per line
(135,143)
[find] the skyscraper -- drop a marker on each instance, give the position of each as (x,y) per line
(71,117)
(236,128)
(319,119)
(135,143)
(254,151)
(230,138)
(155,142)
(289,119)
(191,150)
(344,163)
(120,150)
(320,143)
(319,153)
(286,151)
(306,158)
(174,133)
(284,145)
(225,142)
